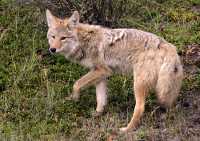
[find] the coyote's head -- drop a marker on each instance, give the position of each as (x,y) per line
(62,34)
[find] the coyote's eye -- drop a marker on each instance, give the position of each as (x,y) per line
(63,38)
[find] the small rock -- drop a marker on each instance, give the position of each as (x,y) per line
(186,104)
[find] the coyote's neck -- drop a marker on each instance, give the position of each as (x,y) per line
(89,39)
(88,33)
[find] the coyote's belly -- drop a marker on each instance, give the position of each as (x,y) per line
(119,62)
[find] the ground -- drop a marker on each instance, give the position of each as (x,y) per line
(33,83)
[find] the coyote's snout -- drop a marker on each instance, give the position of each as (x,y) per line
(152,61)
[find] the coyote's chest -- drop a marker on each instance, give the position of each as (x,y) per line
(87,62)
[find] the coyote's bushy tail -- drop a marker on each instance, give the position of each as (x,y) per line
(169,78)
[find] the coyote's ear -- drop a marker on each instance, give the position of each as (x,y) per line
(51,20)
(74,20)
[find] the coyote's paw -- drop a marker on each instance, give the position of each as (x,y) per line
(96,114)
(126,129)
(100,112)
(73,97)
(123,130)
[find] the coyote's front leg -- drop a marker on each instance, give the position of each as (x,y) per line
(91,78)
(101,96)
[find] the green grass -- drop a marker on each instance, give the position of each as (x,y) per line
(32,89)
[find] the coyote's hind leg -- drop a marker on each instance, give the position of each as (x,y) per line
(140,95)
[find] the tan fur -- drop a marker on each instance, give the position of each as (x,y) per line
(152,60)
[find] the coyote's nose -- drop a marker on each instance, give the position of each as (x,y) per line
(53,50)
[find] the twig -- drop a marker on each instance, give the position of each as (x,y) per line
(3,33)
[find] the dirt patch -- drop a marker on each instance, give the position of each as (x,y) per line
(191,55)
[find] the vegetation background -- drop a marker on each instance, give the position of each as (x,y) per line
(33,83)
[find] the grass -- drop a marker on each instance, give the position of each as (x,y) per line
(33,86)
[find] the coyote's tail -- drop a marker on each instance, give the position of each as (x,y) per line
(169,78)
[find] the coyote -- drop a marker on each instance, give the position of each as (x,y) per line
(153,62)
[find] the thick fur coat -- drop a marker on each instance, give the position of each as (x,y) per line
(152,61)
